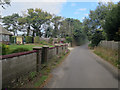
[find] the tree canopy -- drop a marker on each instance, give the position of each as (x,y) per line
(105,20)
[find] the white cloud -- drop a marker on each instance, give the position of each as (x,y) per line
(64,0)
(17,7)
(39,0)
(83,18)
(78,11)
(82,9)
(73,4)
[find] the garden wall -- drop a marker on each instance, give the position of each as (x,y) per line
(15,65)
(110,45)
(20,64)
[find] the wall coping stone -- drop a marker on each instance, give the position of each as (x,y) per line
(51,47)
(17,54)
(37,48)
(45,46)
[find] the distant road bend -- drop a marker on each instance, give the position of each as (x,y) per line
(83,69)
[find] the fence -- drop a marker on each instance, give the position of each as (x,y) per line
(20,64)
(110,45)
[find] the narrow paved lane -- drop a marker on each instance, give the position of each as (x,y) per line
(83,69)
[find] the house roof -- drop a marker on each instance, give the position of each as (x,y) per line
(4,31)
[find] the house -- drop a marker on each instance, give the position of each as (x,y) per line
(4,35)
(19,39)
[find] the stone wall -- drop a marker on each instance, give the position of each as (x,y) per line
(51,52)
(20,64)
(16,65)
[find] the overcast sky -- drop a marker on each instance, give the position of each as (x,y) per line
(77,9)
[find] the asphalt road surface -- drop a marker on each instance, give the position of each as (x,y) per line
(83,69)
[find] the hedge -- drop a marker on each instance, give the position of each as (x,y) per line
(36,39)
(20,49)
(29,39)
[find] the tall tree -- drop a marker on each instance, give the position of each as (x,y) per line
(4,2)
(37,17)
(26,24)
(11,23)
(56,20)
(112,24)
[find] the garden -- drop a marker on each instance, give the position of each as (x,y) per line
(28,46)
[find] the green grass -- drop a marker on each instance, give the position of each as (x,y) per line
(108,55)
(40,81)
(30,47)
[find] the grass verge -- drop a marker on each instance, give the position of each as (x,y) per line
(109,55)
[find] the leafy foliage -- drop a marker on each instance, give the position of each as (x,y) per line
(4,2)
(96,38)
(29,39)
(51,40)
(11,23)
(5,49)
(105,19)
(69,39)
(112,24)
(36,39)
(19,50)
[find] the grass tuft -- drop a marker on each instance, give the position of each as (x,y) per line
(108,55)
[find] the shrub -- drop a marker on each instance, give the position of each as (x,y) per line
(91,46)
(51,40)
(43,42)
(96,38)
(19,50)
(58,39)
(5,49)
(32,75)
(36,39)
(69,39)
(28,39)
(64,41)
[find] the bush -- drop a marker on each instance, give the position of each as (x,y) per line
(58,39)
(51,40)
(96,38)
(36,39)
(91,46)
(43,42)
(29,39)
(20,50)
(5,49)
(69,39)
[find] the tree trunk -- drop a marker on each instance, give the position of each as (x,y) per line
(28,30)
(33,33)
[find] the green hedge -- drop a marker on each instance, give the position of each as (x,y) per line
(51,40)
(4,49)
(19,50)
(43,42)
(29,39)
(36,39)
